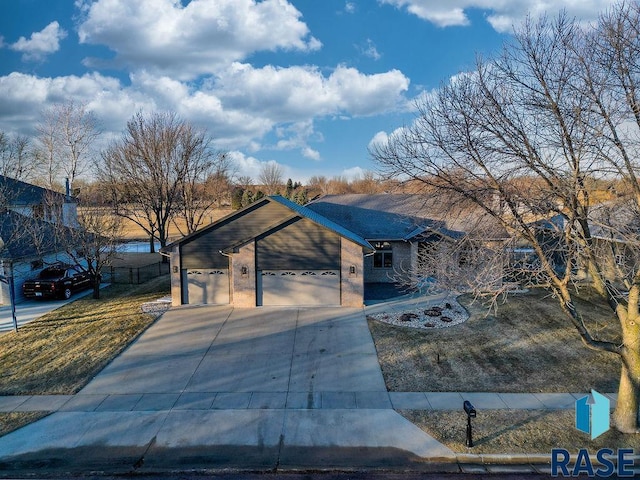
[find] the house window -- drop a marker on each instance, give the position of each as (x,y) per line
(383,258)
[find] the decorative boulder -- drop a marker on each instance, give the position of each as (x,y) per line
(407,317)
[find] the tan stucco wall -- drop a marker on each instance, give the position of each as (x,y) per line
(176,287)
(351,285)
(243,287)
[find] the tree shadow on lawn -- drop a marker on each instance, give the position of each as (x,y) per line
(528,345)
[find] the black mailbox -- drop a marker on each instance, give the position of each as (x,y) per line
(469,409)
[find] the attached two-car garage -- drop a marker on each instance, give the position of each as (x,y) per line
(273,253)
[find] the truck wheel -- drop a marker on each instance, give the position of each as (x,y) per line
(66,293)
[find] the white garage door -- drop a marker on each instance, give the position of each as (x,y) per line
(206,286)
(299,287)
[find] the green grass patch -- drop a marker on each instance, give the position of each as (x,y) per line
(60,352)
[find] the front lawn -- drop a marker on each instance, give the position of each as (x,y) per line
(527,346)
(516,431)
(61,351)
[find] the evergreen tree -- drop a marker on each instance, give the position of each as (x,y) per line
(289,189)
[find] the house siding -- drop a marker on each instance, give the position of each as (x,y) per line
(300,244)
(203,250)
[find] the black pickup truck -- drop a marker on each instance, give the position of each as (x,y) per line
(57,281)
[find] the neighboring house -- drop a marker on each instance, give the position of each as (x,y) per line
(29,235)
(275,252)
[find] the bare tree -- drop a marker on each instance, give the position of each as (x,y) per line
(93,241)
(147,170)
(523,138)
(204,184)
(67,134)
(367,183)
(271,176)
(16,157)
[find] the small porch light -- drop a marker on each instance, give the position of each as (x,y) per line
(352,270)
(244,270)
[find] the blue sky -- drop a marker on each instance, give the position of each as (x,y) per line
(304,83)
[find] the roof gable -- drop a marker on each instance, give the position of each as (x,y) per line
(250,222)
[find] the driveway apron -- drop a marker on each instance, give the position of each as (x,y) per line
(218,386)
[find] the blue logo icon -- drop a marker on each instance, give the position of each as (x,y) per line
(592,414)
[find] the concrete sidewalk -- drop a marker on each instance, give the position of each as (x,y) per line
(329,400)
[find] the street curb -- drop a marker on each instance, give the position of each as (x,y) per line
(523,459)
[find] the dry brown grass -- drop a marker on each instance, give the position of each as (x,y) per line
(132,231)
(527,346)
(515,431)
(61,351)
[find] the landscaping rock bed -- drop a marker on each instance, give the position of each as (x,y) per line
(158,307)
(445,314)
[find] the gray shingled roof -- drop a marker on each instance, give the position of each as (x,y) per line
(381,216)
(17,237)
(323,221)
(17,192)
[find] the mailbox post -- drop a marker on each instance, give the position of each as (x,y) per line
(470,410)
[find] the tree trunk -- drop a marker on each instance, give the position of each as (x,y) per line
(626,415)
(96,286)
(152,244)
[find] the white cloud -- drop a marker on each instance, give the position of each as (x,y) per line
(379,138)
(350,7)
(248,166)
(240,108)
(503,13)
(310,153)
(163,36)
(370,50)
(353,173)
(41,43)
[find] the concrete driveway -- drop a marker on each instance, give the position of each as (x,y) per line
(223,387)
(223,350)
